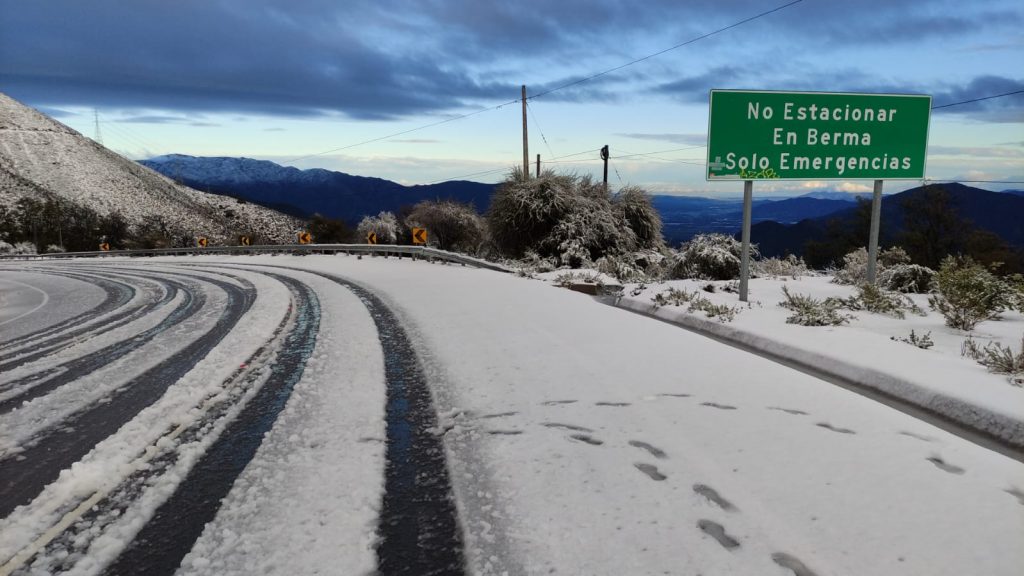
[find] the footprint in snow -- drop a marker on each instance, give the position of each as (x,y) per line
(498,415)
(588,439)
(713,495)
(719,406)
(945,466)
(651,471)
(674,395)
(572,427)
(717,531)
(794,564)
(504,432)
(828,426)
(1018,493)
(788,410)
(616,404)
(653,450)
(557,402)
(917,436)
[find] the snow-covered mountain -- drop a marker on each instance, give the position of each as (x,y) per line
(43,158)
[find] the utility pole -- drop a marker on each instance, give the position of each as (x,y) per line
(538,165)
(96,119)
(526,144)
(604,156)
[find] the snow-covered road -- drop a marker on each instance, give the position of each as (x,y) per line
(299,415)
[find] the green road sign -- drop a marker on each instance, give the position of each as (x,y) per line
(754,135)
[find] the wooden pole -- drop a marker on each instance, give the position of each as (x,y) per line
(538,165)
(604,156)
(526,142)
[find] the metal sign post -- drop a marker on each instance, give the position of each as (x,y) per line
(876,220)
(748,200)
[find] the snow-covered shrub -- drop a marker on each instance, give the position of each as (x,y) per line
(450,225)
(880,301)
(569,218)
(643,219)
(967,293)
(54,248)
(922,342)
(697,303)
(622,268)
(997,359)
(385,225)
(791,265)
(6,247)
(709,257)
(808,311)
(855,265)
(24,248)
(567,279)
(911,278)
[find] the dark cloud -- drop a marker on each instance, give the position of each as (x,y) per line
(382,59)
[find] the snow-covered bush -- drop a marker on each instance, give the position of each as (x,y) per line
(911,278)
(880,301)
(709,257)
(450,225)
(643,219)
(570,219)
(997,359)
(855,265)
(791,265)
(697,303)
(385,225)
(967,293)
(6,247)
(922,342)
(24,248)
(808,311)
(54,248)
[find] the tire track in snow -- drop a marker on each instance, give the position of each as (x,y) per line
(26,473)
(117,294)
(163,542)
(41,383)
(419,529)
(57,342)
(87,519)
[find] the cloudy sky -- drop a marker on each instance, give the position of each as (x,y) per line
(419,91)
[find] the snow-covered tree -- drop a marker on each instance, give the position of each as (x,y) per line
(450,225)
(385,225)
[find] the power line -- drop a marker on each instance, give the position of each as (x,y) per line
(546,92)
(978,99)
(659,53)
(539,129)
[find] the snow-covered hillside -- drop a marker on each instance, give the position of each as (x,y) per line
(41,157)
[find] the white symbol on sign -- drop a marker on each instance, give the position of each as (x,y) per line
(717,164)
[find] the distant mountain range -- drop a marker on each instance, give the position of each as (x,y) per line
(1001,213)
(302,193)
(779,225)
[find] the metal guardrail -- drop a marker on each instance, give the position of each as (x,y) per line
(380,249)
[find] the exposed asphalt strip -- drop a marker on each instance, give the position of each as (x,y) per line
(24,475)
(58,341)
(419,529)
(165,540)
(78,367)
(117,294)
